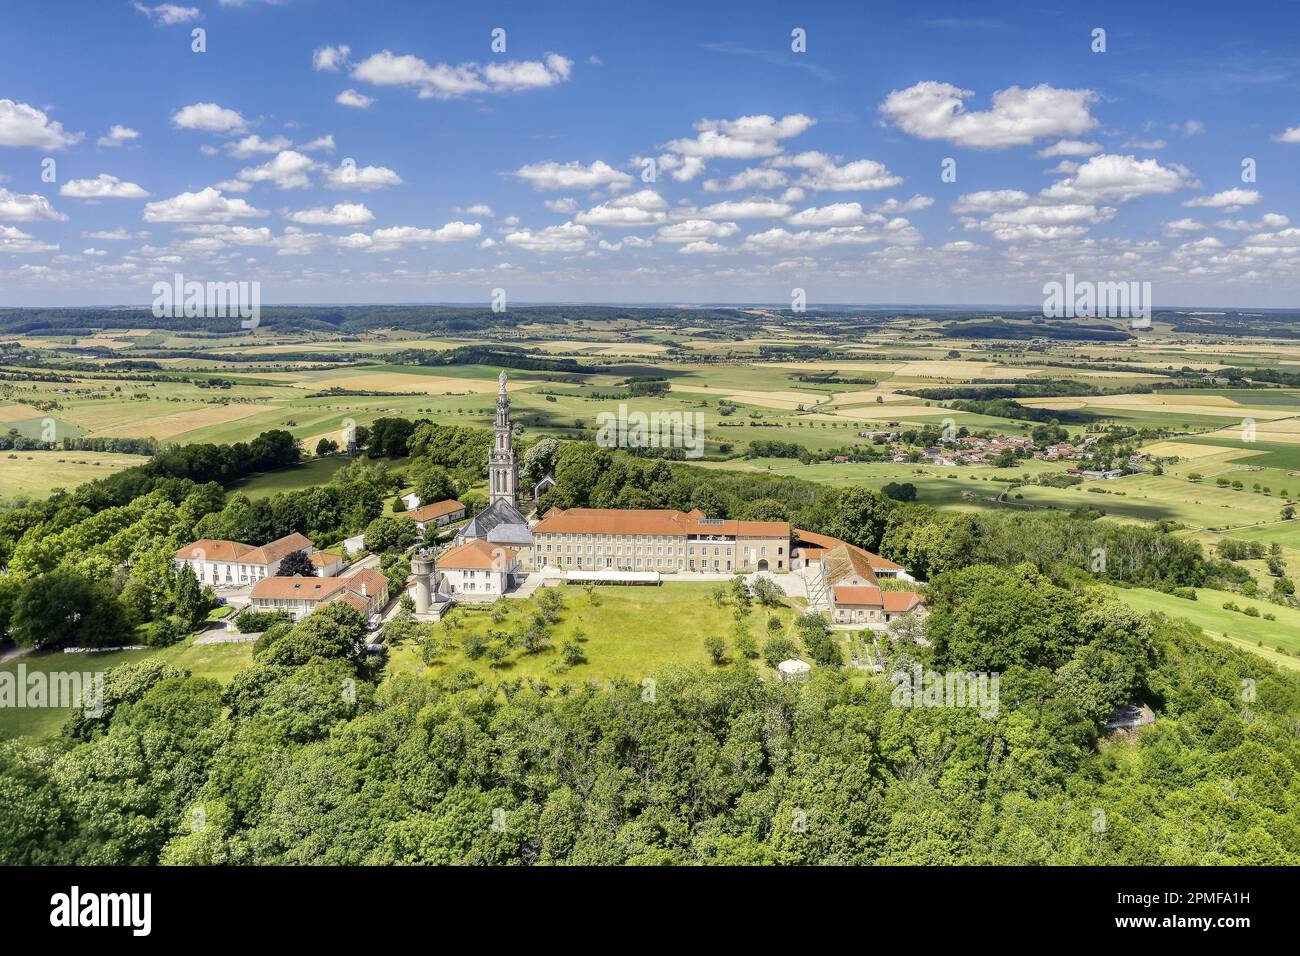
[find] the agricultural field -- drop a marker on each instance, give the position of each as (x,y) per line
(34,474)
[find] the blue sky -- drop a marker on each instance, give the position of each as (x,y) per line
(340,151)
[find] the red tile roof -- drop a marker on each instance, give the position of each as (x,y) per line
(846,596)
(825,541)
(891,602)
(653,521)
(437,510)
(300,587)
(214,549)
(900,602)
(478,555)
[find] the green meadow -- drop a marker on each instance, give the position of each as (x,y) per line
(219,661)
(618,643)
(1207,611)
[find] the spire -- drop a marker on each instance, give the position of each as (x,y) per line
(503,468)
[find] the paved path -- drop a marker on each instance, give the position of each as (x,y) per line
(13,653)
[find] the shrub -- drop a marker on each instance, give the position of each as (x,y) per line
(716,648)
(251,622)
(164,632)
(778,649)
(473,644)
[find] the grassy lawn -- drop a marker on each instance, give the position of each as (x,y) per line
(313,471)
(1285,533)
(631,632)
(1208,612)
(218,661)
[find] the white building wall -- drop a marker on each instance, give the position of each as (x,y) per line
(474,581)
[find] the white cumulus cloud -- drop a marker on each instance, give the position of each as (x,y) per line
(102,186)
(209,118)
(23,125)
(933,110)
(206,205)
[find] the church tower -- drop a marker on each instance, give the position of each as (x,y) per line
(503,470)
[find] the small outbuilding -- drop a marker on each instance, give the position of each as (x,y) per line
(793,670)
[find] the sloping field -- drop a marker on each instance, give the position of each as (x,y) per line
(1212,406)
(18,413)
(957,369)
(1208,612)
(169,426)
(1286,431)
(876,413)
(764,399)
(1157,498)
(36,472)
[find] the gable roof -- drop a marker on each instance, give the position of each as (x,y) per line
(900,602)
(478,555)
(851,596)
(891,602)
(808,540)
(847,565)
(437,510)
(653,521)
(216,549)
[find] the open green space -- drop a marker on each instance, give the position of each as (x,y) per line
(313,471)
(219,661)
(631,632)
(1208,612)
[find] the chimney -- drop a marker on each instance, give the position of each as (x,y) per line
(363,589)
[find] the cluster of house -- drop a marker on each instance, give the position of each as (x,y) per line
(492,550)
(233,564)
(974,450)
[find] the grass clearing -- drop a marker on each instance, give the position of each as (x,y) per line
(218,661)
(313,471)
(632,632)
(1207,611)
(36,473)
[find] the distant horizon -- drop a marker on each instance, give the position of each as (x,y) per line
(636,304)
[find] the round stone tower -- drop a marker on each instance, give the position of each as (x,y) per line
(422,566)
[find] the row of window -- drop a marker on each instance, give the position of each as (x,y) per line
(650,563)
(647,550)
(548,538)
